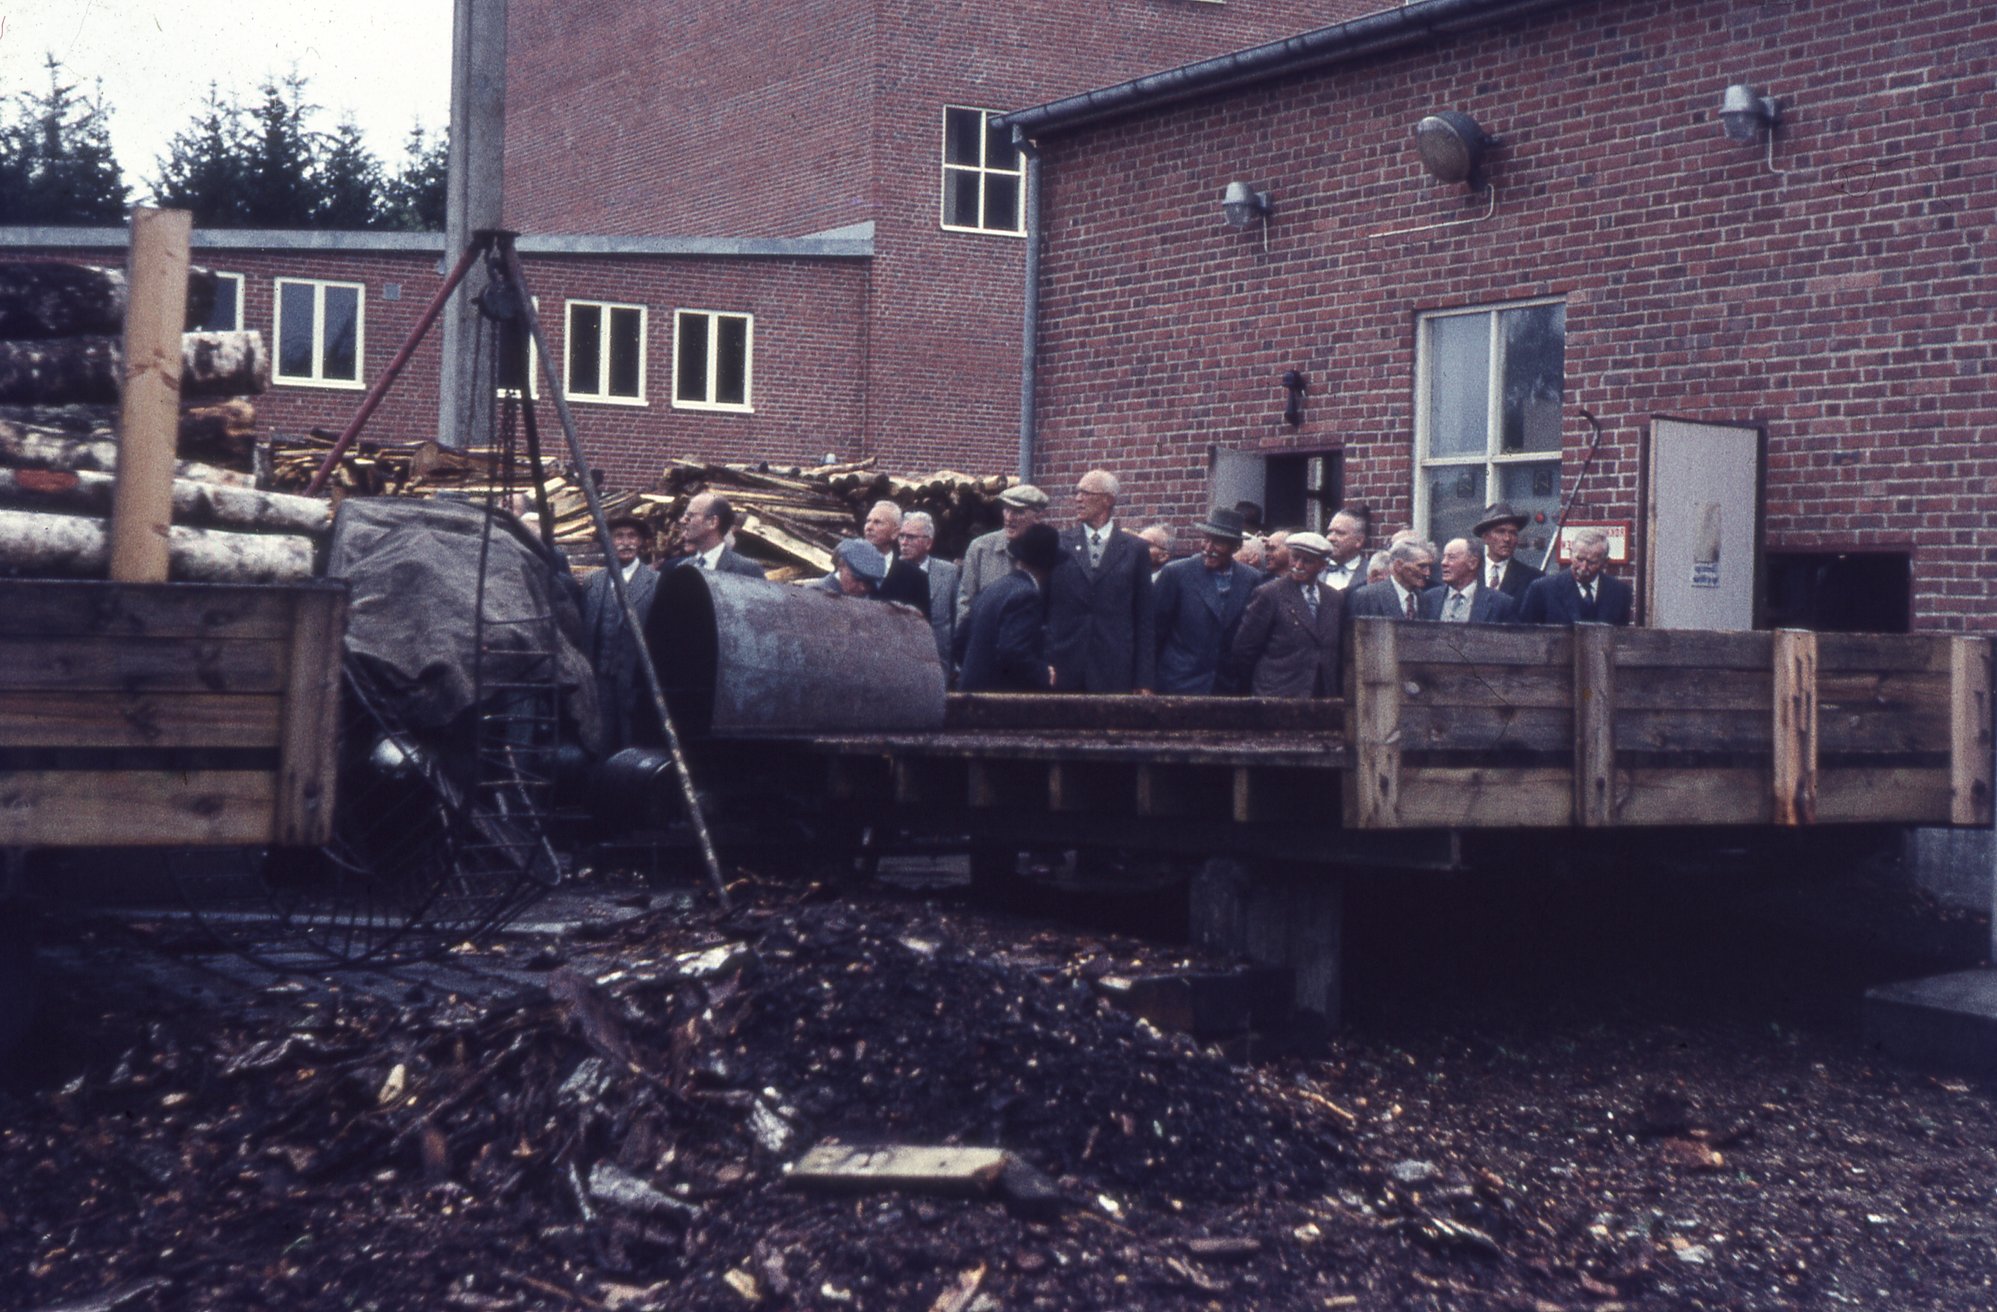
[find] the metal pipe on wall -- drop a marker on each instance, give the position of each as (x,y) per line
(1030,329)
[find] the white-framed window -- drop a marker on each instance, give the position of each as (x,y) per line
(226,315)
(713,353)
(1488,388)
(319,332)
(606,352)
(984,177)
(516,358)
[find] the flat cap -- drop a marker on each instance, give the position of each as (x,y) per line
(1311,544)
(863,558)
(1025,496)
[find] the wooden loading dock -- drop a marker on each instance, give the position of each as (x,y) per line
(1446,732)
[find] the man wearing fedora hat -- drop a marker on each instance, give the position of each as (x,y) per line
(1287,644)
(1196,605)
(1002,646)
(622,695)
(1499,530)
(986,560)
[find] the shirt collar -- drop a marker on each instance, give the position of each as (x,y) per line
(711,558)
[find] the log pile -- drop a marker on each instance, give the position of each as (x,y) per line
(61,369)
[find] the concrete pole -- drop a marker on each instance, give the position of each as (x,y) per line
(477,159)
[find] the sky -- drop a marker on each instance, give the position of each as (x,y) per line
(386,61)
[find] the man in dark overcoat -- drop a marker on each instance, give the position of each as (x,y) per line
(623,697)
(1196,605)
(1002,644)
(1099,623)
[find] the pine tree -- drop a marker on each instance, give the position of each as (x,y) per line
(56,164)
(350,184)
(415,198)
(204,171)
(280,172)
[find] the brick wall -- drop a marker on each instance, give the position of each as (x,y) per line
(1849,303)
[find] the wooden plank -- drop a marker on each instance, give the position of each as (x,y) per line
(57,608)
(1486,644)
(1486,728)
(1841,653)
(144,664)
(1594,726)
(1690,731)
(1183,791)
(998,712)
(1793,773)
(1013,784)
(1094,787)
(1373,728)
(149,420)
(1969,731)
(1430,683)
(1656,689)
(309,745)
(1650,649)
(112,808)
(1885,796)
(1444,797)
(1709,795)
(1280,796)
(134,720)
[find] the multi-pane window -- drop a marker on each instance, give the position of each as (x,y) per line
(1487,418)
(606,352)
(984,178)
(226,314)
(318,333)
(711,360)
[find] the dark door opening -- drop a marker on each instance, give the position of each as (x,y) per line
(1839,591)
(1302,491)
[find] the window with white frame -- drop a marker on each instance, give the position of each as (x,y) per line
(226,314)
(606,352)
(712,354)
(1489,383)
(984,177)
(319,333)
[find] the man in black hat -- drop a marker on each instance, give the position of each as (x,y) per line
(1499,530)
(1002,645)
(1196,605)
(623,697)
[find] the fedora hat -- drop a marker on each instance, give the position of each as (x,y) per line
(1223,523)
(1496,514)
(616,522)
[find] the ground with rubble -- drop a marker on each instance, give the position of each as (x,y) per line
(1550,1092)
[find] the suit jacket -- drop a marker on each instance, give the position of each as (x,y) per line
(622,696)
(1379,599)
(1556,599)
(943,605)
(907,584)
(985,563)
(1518,577)
(730,561)
(1195,623)
(1100,634)
(1280,650)
(1486,606)
(1002,645)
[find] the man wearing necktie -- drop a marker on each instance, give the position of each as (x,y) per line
(1583,595)
(1100,634)
(1287,645)
(1463,597)
(1398,596)
(1499,531)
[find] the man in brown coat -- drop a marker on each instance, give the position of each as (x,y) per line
(1287,645)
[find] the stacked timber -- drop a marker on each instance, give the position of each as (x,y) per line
(61,370)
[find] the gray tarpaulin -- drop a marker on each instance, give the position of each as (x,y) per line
(412,575)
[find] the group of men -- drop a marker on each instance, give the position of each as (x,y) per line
(1095,607)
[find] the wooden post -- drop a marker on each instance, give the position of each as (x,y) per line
(1969,732)
(1795,729)
(310,730)
(149,425)
(1594,725)
(1373,727)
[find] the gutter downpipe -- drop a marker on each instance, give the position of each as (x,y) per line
(1029,362)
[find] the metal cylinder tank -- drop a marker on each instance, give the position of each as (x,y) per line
(741,656)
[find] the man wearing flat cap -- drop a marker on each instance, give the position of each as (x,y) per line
(1197,604)
(623,697)
(1499,529)
(1287,645)
(1002,645)
(985,560)
(857,570)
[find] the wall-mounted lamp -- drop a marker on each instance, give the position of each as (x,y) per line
(1294,383)
(1452,147)
(1744,112)
(1243,205)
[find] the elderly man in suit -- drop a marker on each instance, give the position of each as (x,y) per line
(924,580)
(1584,594)
(986,561)
(622,695)
(1499,532)
(1196,605)
(1287,645)
(1461,597)
(1002,645)
(1099,624)
(1347,567)
(1398,596)
(704,527)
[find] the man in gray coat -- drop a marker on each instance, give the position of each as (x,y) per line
(1100,636)
(1196,604)
(923,580)
(986,560)
(1398,596)
(623,697)
(1287,645)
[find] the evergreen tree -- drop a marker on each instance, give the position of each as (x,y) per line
(349,182)
(415,198)
(280,173)
(204,171)
(56,163)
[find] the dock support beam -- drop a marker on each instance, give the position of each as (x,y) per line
(1277,915)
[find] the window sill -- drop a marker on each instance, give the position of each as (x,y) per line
(1016,234)
(637,402)
(329,384)
(709,408)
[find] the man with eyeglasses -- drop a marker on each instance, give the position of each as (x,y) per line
(924,581)
(1099,620)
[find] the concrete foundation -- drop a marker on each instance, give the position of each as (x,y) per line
(1277,915)
(1944,1021)
(1954,865)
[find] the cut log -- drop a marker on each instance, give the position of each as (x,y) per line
(24,446)
(201,504)
(45,298)
(61,370)
(77,546)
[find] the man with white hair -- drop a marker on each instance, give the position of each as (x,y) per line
(1398,597)
(1462,597)
(1099,620)
(923,580)
(1347,567)
(1584,594)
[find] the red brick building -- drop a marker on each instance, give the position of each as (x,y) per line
(1828,285)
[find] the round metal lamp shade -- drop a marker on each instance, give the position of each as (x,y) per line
(1451,144)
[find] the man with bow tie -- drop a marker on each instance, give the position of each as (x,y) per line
(1346,569)
(1583,595)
